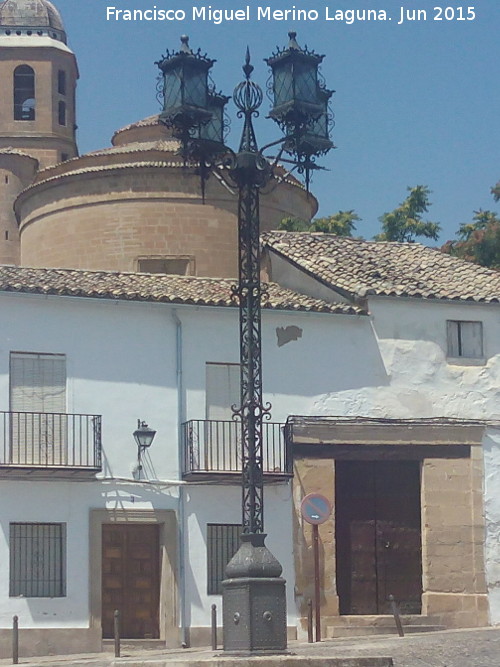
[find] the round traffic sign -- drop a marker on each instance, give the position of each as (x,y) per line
(315,508)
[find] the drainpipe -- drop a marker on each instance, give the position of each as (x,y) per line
(181,502)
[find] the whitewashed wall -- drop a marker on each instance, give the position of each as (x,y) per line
(69,502)
(492,512)
(122,363)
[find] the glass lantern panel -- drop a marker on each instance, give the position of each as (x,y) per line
(305,76)
(173,91)
(283,84)
(195,87)
(213,129)
(319,126)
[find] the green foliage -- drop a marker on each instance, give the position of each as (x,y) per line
(342,223)
(405,223)
(295,225)
(479,240)
(495,191)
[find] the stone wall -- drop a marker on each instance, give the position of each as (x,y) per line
(453,571)
(109,213)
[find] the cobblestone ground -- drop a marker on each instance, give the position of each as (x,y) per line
(457,648)
(452,648)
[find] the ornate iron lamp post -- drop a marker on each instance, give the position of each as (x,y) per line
(254,605)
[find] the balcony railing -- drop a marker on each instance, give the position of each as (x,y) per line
(50,441)
(214,447)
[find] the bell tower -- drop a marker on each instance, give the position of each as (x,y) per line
(38,74)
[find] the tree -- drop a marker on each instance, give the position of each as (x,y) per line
(295,225)
(342,223)
(479,240)
(495,191)
(405,223)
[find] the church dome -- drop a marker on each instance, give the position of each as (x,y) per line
(31,17)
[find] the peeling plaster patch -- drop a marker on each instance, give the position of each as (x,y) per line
(287,334)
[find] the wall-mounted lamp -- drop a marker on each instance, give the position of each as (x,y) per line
(144,437)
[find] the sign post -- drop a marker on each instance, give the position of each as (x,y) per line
(316,509)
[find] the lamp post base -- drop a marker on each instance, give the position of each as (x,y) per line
(254,600)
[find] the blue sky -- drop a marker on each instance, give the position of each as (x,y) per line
(416,103)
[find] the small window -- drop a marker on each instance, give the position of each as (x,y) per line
(64,157)
(223,540)
(37,560)
(61,110)
(180,266)
(24,93)
(61,82)
(465,339)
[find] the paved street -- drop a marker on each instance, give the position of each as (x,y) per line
(452,648)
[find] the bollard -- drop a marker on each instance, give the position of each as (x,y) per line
(397,618)
(214,627)
(310,621)
(117,633)
(15,640)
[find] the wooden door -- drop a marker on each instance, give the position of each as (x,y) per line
(378,536)
(131,579)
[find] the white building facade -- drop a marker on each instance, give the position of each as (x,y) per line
(85,531)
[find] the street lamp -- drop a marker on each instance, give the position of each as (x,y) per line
(143,436)
(254,603)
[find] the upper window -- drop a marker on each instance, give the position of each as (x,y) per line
(465,339)
(61,110)
(180,266)
(222,390)
(61,82)
(222,434)
(37,382)
(37,560)
(24,93)
(223,540)
(38,430)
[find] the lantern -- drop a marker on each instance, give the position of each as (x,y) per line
(300,102)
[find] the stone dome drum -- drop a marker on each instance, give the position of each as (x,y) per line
(31,17)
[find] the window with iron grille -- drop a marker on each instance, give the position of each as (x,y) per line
(37,560)
(223,540)
(465,339)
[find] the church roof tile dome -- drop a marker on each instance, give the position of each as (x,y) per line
(31,17)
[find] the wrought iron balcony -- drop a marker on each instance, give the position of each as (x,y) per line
(41,442)
(213,448)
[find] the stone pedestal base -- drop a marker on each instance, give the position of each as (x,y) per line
(254,601)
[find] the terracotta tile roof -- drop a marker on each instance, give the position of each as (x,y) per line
(359,268)
(152,287)
(163,145)
(46,177)
(150,121)
(9,150)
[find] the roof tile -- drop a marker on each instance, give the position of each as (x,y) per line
(359,268)
(153,287)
